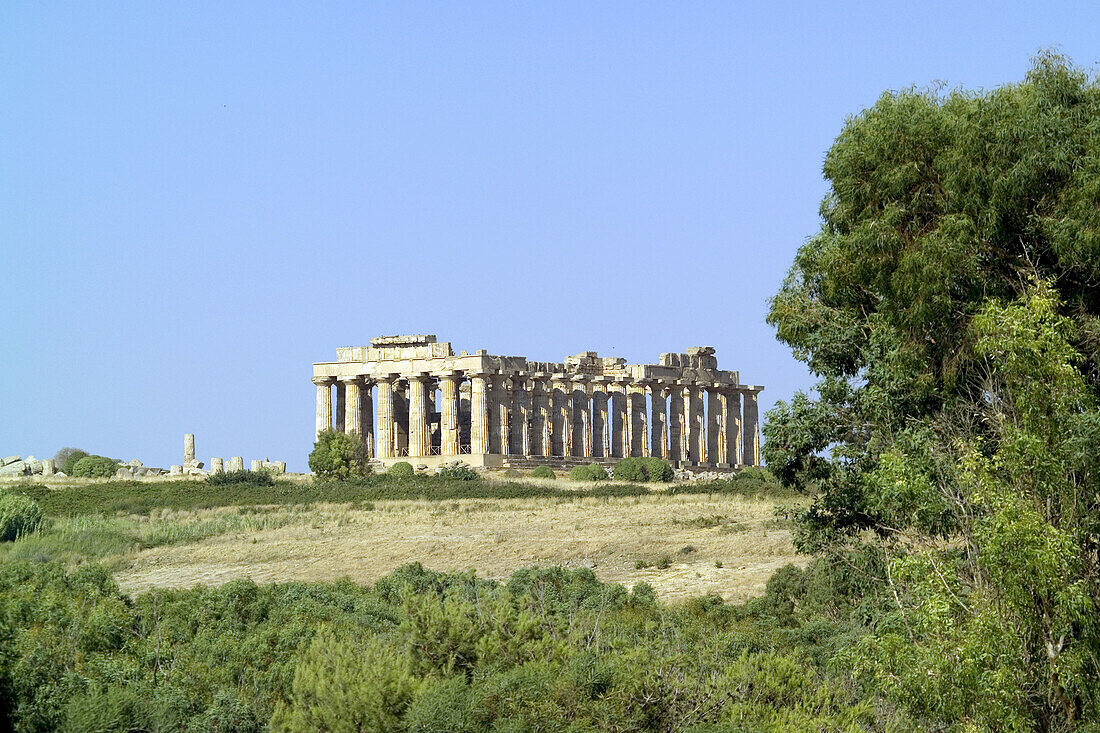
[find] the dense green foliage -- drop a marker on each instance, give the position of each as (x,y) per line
(66,458)
(588,472)
(459,473)
(401,469)
(242,477)
(949,306)
(550,650)
(643,470)
(338,455)
(543,472)
(19,515)
(94,467)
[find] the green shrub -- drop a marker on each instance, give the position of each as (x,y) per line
(543,472)
(640,470)
(338,455)
(19,515)
(231,478)
(591,472)
(657,469)
(66,458)
(400,469)
(630,469)
(94,467)
(461,473)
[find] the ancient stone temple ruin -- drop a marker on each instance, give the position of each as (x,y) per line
(412,398)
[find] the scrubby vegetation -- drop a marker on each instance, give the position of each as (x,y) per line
(642,470)
(588,472)
(543,472)
(242,477)
(550,650)
(94,467)
(459,473)
(66,458)
(19,515)
(338,455)
(401,469)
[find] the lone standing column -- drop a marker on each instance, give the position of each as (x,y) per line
(659,438)
(448,414)
(188,448)
(340,407)
(418,417)
(752,428)
(353,414)
(384,446)
(324,404)
(366,420)
(479,414)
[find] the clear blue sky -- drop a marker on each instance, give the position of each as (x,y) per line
(200,200)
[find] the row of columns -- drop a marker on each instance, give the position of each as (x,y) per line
(559,415)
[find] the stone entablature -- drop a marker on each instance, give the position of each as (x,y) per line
(490,407)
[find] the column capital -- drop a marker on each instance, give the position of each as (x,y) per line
(388,378)
(357,379)
(323,381)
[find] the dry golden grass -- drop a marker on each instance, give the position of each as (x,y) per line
(496,538)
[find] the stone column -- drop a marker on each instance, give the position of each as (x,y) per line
(586,425)
(448,414)
(714,425)
(734,455)
(400,416)
(188,448)
(324,404)
(620,429)
(340,407)
(353,414)
(688,431)
(752,429)
(499,415)
(723,457)
(677,429)
(384,445)
(521,414)
(599,418)
(542,415)
(217,465)
(639,445)
(418,417)
(366,404)
(479,413)
(568,429)
(561,395)
(659,428)
(695,419)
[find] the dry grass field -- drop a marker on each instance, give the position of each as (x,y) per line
(682,545)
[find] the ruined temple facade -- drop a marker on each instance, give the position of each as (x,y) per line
(412,398)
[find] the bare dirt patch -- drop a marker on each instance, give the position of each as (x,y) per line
(678,540)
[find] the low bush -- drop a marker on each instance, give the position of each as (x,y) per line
(338,455)
(400,469)
(543,472)
(66,458)
(590,472)
(19,515)
(94,467)
(244,476)
(643,469)
(460,473)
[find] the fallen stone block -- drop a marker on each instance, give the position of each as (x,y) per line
(48,468)
(256,465)
(15,468)
(217,465)
(8,460)
(175,470)
(135,463)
